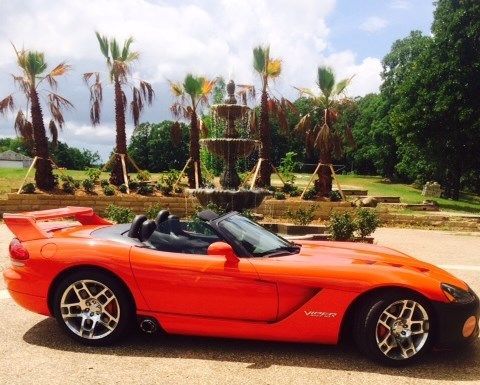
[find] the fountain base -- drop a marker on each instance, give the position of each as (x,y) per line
(230,200)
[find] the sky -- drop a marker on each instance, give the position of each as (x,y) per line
(204,37)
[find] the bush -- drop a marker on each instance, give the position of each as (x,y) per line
(366,222)
(108,190)
(143,176)
(28,188)
(288,165)
(119,214)
(335,196)
(279,195)
(122,188)
(68,186)
(166,182)
(302,216)
(310,194)
(295,193)
(342,226)
(153,210)
(88,185)
(93,174)
(144,188)
(77,183)
(104,182)
(133,185)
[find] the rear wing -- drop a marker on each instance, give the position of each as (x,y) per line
(26,226)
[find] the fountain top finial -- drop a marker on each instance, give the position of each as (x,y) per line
(231,99)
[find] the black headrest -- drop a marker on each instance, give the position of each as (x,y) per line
(134,231)
(174,225)
(162,216)
(148,227)
(208,215)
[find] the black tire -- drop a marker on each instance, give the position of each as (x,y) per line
(122,303)
(365,328)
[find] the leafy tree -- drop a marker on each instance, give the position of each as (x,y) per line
(319,126)
(119,64)
(32,128)
(153,148)
(15,144)
(190,97)
(74,158)
(437,114)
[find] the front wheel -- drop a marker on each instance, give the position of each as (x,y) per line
(394,329)
(92,307)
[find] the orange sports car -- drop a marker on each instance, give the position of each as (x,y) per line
(227,276)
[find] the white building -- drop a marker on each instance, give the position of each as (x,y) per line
(12,159)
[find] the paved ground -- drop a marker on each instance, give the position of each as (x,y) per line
(33,350)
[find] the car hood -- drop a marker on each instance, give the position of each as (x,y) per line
(348,262)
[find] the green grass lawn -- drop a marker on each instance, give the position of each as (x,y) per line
(408,194)
(12,178)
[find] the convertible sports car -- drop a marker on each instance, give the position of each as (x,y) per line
(227,276)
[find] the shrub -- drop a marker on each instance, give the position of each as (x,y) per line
(310,194)
(144,188)
(119,214)
(93,174)
(28,188)
(108,190)
(143,176)
(153,210)
(302,216)
(166,182)
(122,188)
(77,183)
(133,185)
(342,226)
(68,187)
(88,185)
(279,195)
(295,193)
(366,222)
(104,182)
(335,196)
(288,165)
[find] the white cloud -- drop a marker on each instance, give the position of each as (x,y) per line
(373,24)
(211,37)
(401,4)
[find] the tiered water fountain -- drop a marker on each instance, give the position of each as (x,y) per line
(230,148)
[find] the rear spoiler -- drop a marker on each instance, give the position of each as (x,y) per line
(25,225)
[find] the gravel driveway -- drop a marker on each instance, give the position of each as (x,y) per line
(33,351)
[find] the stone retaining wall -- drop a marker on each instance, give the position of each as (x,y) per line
(181,206)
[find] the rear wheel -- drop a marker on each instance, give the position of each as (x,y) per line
(394,328)
(92,307)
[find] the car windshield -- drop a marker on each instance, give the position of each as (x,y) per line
(255,239)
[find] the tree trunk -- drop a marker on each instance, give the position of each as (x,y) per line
(323,184)
(263,179)
(116,176)
(44,174)
(194,152)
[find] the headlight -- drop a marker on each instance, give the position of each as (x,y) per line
(455,294)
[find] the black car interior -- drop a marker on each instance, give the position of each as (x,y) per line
(167,233)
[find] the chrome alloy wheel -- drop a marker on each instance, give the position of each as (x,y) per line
(90,309)
(402,329)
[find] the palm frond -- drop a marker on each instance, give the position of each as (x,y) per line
(305,92)
(136,105)
(6,105)
(126,48)
(52,127)
(19,124)
(246,92)
(192,85)
(253,124)
(114,49)
(56,104)
(147,92)
(305,124)
(103,42)
(274,68)
(342,85)
(96,96)
(325,80)
(176,89)
(261,56)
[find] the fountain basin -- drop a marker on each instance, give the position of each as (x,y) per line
(225,147)
(230,111)
(231,200)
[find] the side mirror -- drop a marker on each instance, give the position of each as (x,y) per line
(222,249)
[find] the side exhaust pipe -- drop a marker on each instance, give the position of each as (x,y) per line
(148,326)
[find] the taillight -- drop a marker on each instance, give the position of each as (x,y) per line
(18,251)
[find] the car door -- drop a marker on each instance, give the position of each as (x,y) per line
(203,285)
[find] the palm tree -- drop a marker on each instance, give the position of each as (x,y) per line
(324,137)
(190,96)
(32,128)
(119,64)
(268,69)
